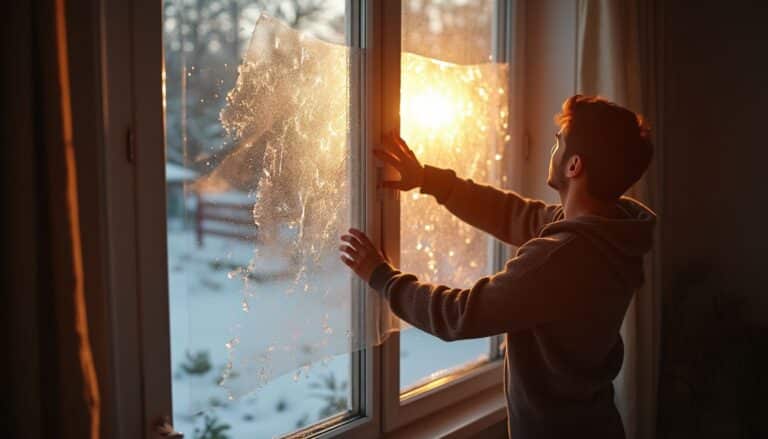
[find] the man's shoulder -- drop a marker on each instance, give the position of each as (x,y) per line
(563,244)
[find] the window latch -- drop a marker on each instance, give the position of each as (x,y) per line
(130,145)
(164,429)
(381,175)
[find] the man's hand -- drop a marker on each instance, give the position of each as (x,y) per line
(360,254)
(396,153)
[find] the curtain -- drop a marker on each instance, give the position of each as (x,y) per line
(52,386)
(63,175)
(612,61)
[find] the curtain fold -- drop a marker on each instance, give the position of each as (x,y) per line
(612,61)
(52,388)
(74,276)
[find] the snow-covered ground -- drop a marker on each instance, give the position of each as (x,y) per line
(205,301)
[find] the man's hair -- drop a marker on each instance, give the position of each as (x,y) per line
(613,143)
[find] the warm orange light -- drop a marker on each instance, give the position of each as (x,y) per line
(452,116)
(429,109)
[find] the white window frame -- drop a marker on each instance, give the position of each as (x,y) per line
(131,59)
(402,410)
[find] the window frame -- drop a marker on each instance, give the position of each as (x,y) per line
(419,403)
(137,275)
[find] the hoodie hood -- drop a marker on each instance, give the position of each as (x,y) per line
(622,240)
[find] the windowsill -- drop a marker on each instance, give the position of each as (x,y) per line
(467,380)
(460,420)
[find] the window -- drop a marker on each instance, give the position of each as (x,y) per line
(258,188)
(450,113)
(238,150)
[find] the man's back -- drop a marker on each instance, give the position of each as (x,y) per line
(559,373)
(560,301)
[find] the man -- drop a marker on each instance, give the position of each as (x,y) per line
(561,300)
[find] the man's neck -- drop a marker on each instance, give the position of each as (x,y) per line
(580,204)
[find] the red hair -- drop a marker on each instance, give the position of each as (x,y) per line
(612,141)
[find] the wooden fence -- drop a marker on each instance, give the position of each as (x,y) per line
(226,219)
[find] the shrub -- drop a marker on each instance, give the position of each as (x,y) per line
(198,363)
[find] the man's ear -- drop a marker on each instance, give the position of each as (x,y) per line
(574,167)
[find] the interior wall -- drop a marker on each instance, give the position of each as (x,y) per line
(44,394)
(21,235)
(712,107)
(550,78)
(715,142)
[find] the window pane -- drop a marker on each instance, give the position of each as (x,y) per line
(455,31)
(452,105)
(213,233)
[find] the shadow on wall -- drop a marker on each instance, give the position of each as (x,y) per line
(713,380)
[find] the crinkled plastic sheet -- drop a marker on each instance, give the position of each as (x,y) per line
(455,117)
(289,115)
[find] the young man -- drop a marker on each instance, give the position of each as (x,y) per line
(561,300)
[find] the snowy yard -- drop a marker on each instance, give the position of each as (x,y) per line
(206,302)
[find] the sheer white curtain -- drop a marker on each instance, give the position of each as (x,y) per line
(611,52)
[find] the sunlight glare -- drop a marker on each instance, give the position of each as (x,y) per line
(452,116)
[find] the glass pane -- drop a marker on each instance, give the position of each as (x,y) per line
(216,200)
(452,108)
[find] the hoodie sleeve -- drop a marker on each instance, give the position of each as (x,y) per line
(525,294)
(504,214)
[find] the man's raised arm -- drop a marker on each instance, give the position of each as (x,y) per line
(504,214)
(528,292)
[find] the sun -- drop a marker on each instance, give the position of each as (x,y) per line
(428,109)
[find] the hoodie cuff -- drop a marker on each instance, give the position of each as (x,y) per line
(380,276)
(438,183)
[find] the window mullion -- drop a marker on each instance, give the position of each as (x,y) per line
(359,367)
(387,51)
(501,42)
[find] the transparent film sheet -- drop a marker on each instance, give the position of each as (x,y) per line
(290,119)
(454,117)
(289,114)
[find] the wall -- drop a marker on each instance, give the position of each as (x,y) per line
(550,78)
(715,141)
(713,152)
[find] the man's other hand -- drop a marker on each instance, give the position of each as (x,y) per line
(359,253)
(395,152)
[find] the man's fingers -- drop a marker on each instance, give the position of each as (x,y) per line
(358,242)
(388,158)
(392,145)
(348,250)
(410,152)
(395,149)
(353,241)
(362,237)
(348,262)
(403,146)
(396,138)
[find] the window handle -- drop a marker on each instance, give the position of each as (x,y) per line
(381,176)
(164,429)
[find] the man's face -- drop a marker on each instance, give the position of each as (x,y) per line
(556,179)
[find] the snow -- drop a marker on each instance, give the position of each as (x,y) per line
(176,173)
(234,197)
(205,303)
